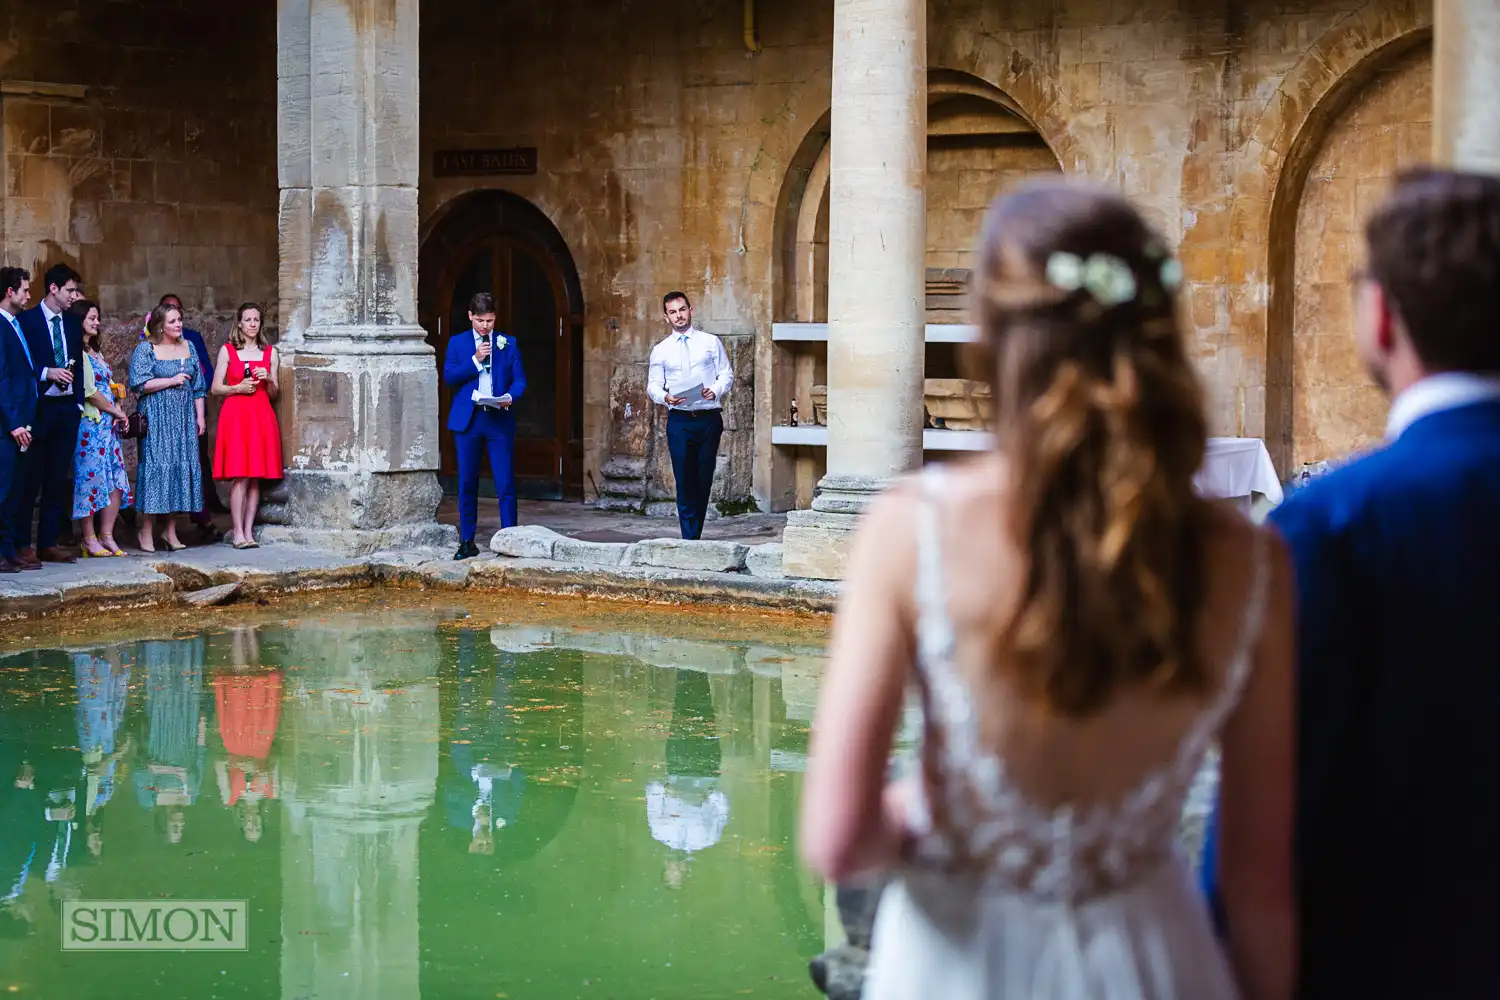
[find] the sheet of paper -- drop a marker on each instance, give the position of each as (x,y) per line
(493,400)
(688,393)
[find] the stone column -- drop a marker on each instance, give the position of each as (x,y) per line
(359,407)
(876,254)
(1466,78)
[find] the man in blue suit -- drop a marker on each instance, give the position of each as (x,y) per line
(18,392)
(484,369)
(1397,560)
(55,338)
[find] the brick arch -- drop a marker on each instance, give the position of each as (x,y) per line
(1271,173)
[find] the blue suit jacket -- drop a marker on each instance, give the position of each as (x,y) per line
(1397,561)
(18,382)
(34,325)
(506,375)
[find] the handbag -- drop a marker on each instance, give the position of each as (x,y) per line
(136,426)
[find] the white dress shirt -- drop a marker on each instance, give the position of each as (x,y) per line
(1435,393)
(485,387)
(53,389)
(683,360)
(687,814)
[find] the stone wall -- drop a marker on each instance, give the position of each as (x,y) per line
(667,152)
(963,176)
(1336,409)
(140,147)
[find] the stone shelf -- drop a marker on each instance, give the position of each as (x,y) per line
(937,333)
(811,436)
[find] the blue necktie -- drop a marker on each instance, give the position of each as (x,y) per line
(22,337)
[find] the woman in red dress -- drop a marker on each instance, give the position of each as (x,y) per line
(247,447)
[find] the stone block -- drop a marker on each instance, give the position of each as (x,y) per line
(816,544)
(703,556)
(211,596)
(765,560)
(572,550)
(525,541)
(369,502)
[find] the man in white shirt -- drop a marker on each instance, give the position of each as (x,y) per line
(689,374)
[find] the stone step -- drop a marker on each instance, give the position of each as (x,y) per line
(677,553)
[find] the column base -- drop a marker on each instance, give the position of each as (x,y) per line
(815,545)
(361,512)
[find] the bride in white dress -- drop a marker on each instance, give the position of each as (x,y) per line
(1079,627)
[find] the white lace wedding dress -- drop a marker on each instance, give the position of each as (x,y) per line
(1008,899)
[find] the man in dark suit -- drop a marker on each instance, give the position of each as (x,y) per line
(18,392)
(55,337)
(1397,558)
(483,365)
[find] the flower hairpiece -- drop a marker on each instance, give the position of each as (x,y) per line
(1107,278)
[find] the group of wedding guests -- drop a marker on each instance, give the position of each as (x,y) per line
(62,406)
(1080,627)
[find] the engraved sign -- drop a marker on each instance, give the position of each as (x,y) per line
(521,160)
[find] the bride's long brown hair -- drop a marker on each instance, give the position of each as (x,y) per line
(1101,415)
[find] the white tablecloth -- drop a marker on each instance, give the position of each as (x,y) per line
(1238,467)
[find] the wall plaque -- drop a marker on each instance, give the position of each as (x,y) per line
(484,162)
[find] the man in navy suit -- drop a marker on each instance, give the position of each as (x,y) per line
(18,392)
(55,338)
(1397,559)
(483,365)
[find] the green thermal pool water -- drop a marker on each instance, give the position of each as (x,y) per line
(413,802)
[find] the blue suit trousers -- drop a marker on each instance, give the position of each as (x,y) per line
(494,432)
(693,439)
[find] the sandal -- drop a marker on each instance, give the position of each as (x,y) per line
(112,545)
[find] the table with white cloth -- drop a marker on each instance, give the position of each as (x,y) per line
(1237,469)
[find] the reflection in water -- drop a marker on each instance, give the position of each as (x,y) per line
(688,812)
(361,738)
(168,780)
(486,796)
(413,807)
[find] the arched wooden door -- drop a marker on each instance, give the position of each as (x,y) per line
(531,306)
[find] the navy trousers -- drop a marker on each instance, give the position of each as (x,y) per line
(693,439)
(492,431)
(49,472)
(12,489)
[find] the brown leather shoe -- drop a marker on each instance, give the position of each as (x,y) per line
(26,559)
(53,554)
(6,566)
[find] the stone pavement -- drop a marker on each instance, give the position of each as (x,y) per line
(661,573)
(587,524)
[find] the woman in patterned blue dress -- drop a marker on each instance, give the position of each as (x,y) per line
(100,484)
(167,377)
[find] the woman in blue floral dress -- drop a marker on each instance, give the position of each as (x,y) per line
(100,484)
(166,375)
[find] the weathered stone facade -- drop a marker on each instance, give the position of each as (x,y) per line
(668,154)
(138,143)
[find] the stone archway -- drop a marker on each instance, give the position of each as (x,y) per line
(1376,120)
(1269,171)
(980,140)
(497,241)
